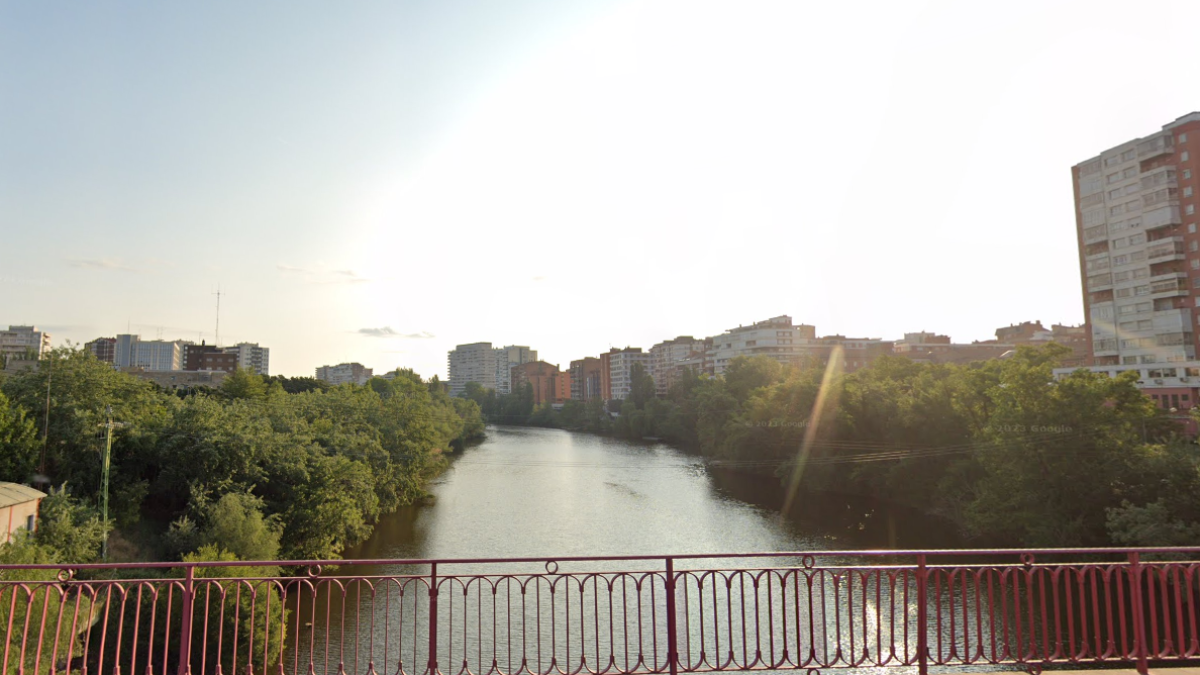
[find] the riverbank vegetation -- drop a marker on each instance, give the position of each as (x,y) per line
(259,469)
(1001,448)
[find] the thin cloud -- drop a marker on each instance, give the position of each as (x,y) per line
(108,264)
(389,332)
(317,276)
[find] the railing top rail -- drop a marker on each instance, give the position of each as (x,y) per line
(875,553)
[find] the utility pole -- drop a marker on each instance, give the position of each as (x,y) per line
(105,466)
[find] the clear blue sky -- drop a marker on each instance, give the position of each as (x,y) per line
(379,181)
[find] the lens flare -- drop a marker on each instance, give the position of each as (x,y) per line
(825,406)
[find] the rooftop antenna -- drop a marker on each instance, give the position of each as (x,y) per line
(217,333)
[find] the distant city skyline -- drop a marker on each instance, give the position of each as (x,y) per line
(379,183)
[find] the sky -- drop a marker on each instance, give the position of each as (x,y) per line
(380,181)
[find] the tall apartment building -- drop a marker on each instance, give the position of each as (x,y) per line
(620,370)
(104,349)
(585,379)
(775,338)
(1139,252)
(669,358)
(506,359)
(1139,257)
(344,373)
(132,351)
(20,342)
(252,357)
(475,362)
(546,380)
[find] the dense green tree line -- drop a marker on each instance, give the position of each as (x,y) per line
(307,472)
(1001,448)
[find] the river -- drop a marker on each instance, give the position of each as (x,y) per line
(547,492)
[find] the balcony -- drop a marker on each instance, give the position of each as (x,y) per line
(1173,339)
(1169,287)
(1171,250)
(1163,196)
(1161,177)
(1094,234)
(1154,147)
(1165,275)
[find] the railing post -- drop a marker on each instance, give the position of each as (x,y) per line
(185,625)
(433,609)
(672,639)
(1139,616)
(922,616)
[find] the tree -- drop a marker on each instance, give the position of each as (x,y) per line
(641,386)
(297,385)
(235,523)
(745,374)
(19,443)
(67,529)
(1059,453)
(244,383)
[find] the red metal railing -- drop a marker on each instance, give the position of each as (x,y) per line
(618,615)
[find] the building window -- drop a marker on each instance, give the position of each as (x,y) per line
(1187,173)
(1191,209)
(1127,155)
(1183,138)
(1187,192)
(1184,156)
(1195,263)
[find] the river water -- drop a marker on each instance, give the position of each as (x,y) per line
(548,493)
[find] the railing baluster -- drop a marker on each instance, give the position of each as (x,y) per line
(922,617)
(1139,617)
(185,624)
(433,611)
(672,639)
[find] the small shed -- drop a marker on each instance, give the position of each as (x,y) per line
(18,508)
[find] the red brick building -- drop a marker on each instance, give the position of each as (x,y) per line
(544,378)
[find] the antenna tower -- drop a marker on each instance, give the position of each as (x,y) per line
(217,333)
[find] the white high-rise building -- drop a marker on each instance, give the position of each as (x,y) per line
(506,359)
(776,338)
(133,351)
(344,373)
(620,370)
(159,355)
(20,341)
(252,357)
(474,362)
